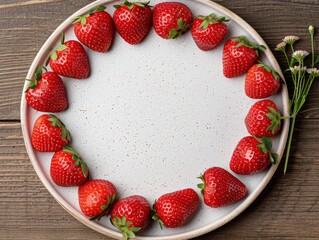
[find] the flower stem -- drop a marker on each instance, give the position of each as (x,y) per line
(292,128)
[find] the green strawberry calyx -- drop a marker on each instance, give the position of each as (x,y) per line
(265,146)
(243,41)
(82,19)
(125,227)
(211,19)
(275,118)
(155,216)
(202,185)
(62,47)
(105,208)
(182,27)
(37,77)
(78,161)
(56,122)
(130,5)
(269,69)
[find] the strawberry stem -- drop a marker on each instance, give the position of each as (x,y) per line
(130,5)
(211,19)
(125,227)
(82,18)
(182,27)
(105,208)
(56,122)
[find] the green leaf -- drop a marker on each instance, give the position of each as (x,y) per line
(38,73)
(180,23)
(77,163)
(104,207)
(267,142)
(173,33)
(62,38)
(83,21)
(123,220)
(84,168)
(61,48)
(204,25)
(32,84)
(273,158)
(135,229)
(54,56)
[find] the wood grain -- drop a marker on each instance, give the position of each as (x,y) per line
(287,209)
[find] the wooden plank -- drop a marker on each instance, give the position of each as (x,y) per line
(287,209)
(25,25)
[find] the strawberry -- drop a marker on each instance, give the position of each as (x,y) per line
(67,168)
(171,19)
(252,155)
(70,60)
(174,209)
(261,81)
(133,20)
(239,54)
(209,31)
(49,134)
(130,215)
(46,93)
(220,188)
(96,197)
(95,29)
(263,119)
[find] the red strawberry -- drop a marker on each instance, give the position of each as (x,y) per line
(67,168)
(130,215)
(239,55)
(96,197)
(220,188)
(49,134)
(95,29)
(46,93)
(174,209)
(171,19)
(209,31)
(70,60)
(263,119)
(261,81)
(133,20)
(252,155)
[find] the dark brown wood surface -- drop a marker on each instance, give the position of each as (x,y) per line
(287,209)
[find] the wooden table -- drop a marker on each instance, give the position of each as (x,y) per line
(287,209)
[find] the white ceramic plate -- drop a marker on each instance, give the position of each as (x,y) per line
(152,117)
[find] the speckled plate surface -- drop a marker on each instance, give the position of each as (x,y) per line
(152,117)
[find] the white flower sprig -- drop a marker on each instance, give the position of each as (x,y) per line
(302,78)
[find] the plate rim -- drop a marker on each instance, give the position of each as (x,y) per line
(46,49)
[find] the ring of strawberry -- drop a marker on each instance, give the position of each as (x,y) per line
(130,215)
(209,31)
(220,188)
(263,119)
(95,29)
(261,81)
(133,20)
(67,169)
(49,134)
(239,55)
(252,155)
(96,198)
(171,19)
(174,209)
(46,93)
(70,60)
